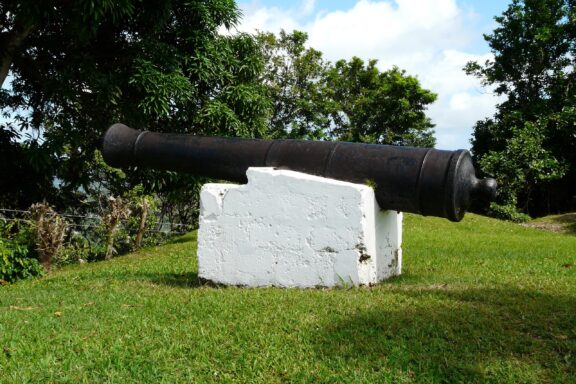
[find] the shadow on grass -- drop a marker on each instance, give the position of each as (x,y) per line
(182,239)
(177,280)
(565,223)
(568,221)
(474,335)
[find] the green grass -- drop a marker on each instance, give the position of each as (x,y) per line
(479,301)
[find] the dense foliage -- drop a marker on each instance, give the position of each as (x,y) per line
(17,260)
(292,77)
(157,65)
(39,238)
(15,263)
(348,100)
(378,107)
(530,142)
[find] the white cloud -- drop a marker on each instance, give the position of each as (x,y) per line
(462,101)
(307,7)
(430,39)
(267,19)
(397,33)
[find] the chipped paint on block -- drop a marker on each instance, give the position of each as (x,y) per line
(290,229)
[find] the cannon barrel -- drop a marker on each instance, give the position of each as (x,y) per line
(426,181)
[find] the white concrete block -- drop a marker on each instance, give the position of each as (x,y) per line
(291,229)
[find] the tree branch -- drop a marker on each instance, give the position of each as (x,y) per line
(14,39)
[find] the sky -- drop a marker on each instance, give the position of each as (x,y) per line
(430,39)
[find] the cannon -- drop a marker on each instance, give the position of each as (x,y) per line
(425,181)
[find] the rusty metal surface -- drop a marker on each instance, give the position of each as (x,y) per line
(420,180)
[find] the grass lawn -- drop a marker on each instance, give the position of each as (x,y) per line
(479,301)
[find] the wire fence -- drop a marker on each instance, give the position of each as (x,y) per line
(87,237)
(161,227)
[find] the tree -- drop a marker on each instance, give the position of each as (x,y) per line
(348,100)
(533,66)
(156,65)
(378,107)
(293,75)
(21,184)
(524,164)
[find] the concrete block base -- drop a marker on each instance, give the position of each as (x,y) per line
(290,229)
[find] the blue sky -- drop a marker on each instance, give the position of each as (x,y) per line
(430,39)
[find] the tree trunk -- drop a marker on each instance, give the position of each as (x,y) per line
(6,62)
(110,240)
(142,226)
(14,40)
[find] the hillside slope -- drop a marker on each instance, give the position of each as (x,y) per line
(478,301)
(563,223)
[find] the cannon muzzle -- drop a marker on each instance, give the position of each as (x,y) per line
(426,181)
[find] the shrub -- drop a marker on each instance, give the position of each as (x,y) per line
(49,228)
(507,212)
(142,226)
(90,238)
(77,250)
(118,211)
(16,260)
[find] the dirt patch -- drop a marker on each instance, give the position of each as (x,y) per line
(552,227)
(565,223)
